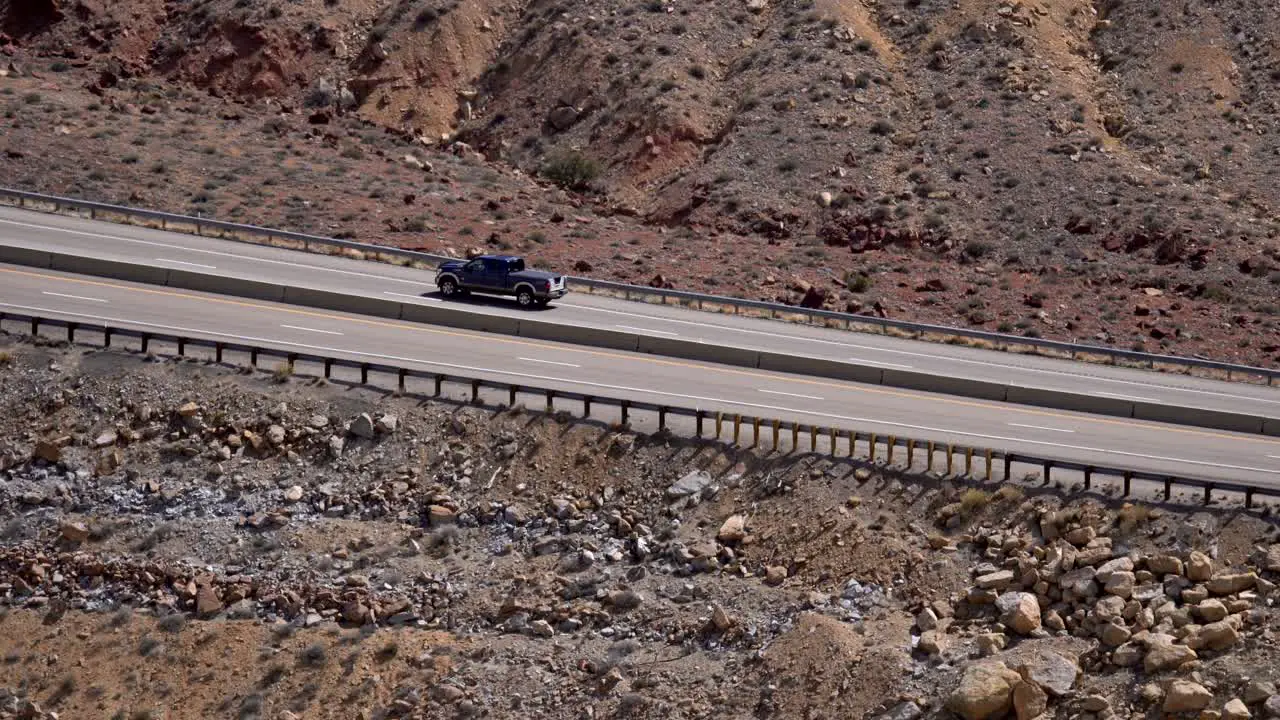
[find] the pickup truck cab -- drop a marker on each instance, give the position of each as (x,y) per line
(500,275)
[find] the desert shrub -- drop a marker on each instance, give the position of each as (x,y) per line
(571,170)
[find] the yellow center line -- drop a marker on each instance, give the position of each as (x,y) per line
(1005,408)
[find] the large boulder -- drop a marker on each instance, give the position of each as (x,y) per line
(1231,583)
(1186,696)
(1199,567)
(1164,654)
(985,691)
(1214,636)
(1052,671)
(1020,611)
(691,484)
(1029,701)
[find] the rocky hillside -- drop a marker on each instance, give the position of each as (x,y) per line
(187,540)
(892,155)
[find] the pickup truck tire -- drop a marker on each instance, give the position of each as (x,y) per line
(449,287)
(525,297)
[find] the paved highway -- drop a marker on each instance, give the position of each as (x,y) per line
(1072,436)
(235,259)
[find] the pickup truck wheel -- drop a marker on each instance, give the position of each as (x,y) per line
(525,297)
(449,287)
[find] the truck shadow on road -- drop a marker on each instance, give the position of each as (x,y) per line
(495,301)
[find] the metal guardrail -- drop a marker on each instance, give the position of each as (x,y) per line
(734,425)
(828,318)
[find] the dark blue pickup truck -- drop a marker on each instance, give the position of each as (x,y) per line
(500,275)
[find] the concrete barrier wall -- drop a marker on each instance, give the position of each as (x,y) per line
(343,302)
(1063,400)
(820,367)
(1271,426)
(579,335)
(1216,419)
(459,318)
(26,256)
(222,285)
(114,269)
(964,387)
(690,350)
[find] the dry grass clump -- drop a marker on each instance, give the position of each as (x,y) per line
(974,500)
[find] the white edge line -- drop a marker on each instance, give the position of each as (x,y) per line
(314,330)
(880,362)
(415,297)
(548,362)
(647,330)
(74,297)
(183,262)
(1040,427)
(1124,397)
(741,403)
(794,395)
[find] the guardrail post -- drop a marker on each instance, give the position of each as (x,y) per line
(662,418)
(719,423)
(871,451)
(737,427)
(911,452)
(439,384)
(182,347)
(813,438)
(834,434)
(795,436)
(511,395)
(755,432)
(1248,498)
(71,332)
(1208,493)
(1168,488)
(1048,471)
(586,407)
(403,373)
(1008,466)
(625,406)
(988,463)
(364,373)
(889,457)
(106,337)
(950,459)
(1088,478)
(853,442)
(697,418)
(217,353)
(35,326)
(1128,482)
(475,390)
(776,425)
(929,465)
(146,342)
(551,402)
(968,461)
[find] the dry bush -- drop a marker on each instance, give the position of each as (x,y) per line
(974,500)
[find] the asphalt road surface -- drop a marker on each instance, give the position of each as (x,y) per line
(236,259)
(1071,436)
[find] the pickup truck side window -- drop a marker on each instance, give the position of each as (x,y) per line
(495,267)
(517,265)
(474,266)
